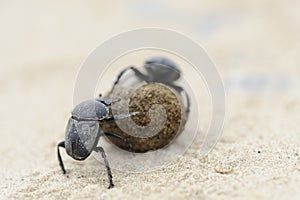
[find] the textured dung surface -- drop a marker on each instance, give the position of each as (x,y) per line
(141,100)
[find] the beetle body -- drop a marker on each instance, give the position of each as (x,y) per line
(159,70)
(83,131)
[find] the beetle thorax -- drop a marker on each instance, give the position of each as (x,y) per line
(91,110)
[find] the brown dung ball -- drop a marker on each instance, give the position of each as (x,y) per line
(155,126)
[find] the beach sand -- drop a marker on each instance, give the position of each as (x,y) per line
(255,47)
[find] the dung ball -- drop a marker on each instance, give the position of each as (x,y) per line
(159,121)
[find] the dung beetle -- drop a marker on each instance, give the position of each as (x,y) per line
(160,70)
(83,131)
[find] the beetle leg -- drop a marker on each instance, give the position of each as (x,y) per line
(181,90)
(119,77)
(61,144)
(187,101)
(101,150)
(139,74)
(120,138)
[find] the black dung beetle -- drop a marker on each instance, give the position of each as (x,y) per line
(83,131)
(160,70)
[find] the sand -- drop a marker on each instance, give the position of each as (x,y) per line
(255,46)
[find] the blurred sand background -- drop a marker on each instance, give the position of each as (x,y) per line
(255,45)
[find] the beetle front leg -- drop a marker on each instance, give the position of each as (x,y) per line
(101,150)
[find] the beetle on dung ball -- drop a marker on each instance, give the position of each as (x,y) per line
(90,118)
